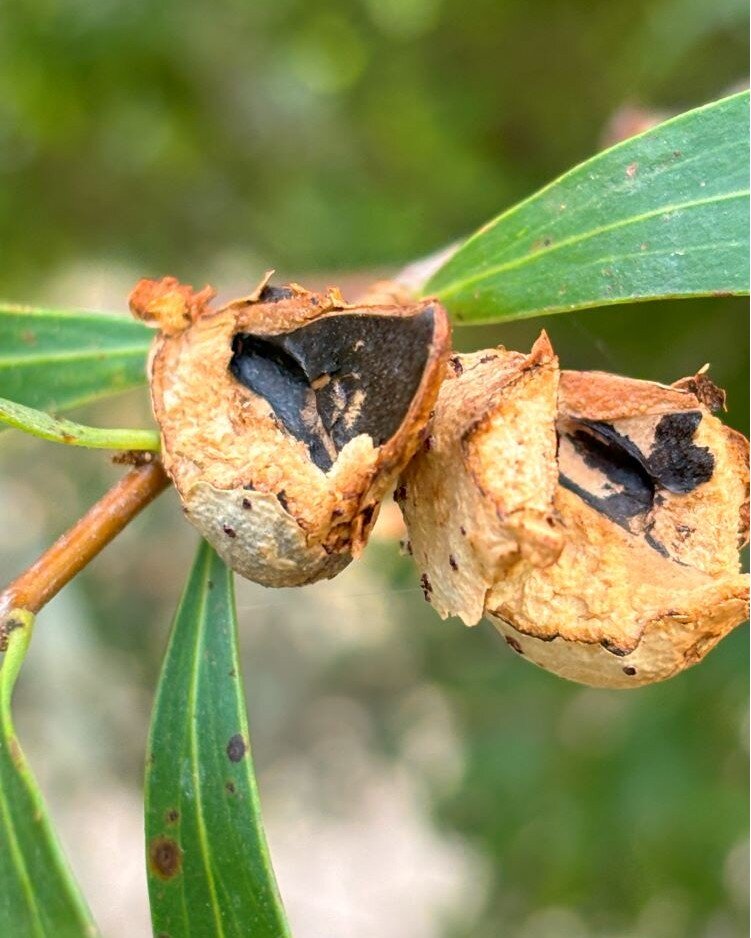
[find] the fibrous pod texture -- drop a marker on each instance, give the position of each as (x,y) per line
(595,520)
(286,417)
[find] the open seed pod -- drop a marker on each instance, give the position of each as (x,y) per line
(286,417)
(595,519)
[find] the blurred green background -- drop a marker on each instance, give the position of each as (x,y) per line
(418,780)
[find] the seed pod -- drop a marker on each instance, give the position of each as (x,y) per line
(644,503)
(286,417)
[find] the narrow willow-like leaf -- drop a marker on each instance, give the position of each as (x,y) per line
(208,864)
(60,430)
(38,896)
(55,360)
(661,215)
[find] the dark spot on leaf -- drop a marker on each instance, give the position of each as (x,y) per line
(338,376)
(462,530)
(452,562)
(165,857)
(171,815)
(247,504)
(400,493)
(630,670)
(456,365)
(281,496)
(236,748)
(427,586)
(232,672)
(230,788)
(229,531)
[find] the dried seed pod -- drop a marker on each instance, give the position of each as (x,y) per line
(286,417)
(648,497)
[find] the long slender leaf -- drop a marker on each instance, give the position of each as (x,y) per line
(208,865)
(60,430)
(38,896)
(55,360)
(664,214)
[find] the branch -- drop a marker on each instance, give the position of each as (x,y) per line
(77,547)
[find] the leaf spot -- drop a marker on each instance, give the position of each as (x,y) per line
(165,857)
(236,748)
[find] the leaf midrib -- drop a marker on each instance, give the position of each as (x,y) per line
(193,737)
(119,351)
(491,272)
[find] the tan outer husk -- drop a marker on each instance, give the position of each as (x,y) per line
(248,485)
(478,496)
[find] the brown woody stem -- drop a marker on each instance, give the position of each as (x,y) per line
(78,546)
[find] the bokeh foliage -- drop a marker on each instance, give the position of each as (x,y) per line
(207,139)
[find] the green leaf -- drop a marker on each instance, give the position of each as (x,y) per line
(55,360)
(209,871)
(38,896)
(661,215)
(59,430)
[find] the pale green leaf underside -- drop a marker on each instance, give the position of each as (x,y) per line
(661,215)
(60,430)
(208,865)
(38,896)
(55,360)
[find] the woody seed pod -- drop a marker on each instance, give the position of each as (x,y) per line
(286,417)
(596,520)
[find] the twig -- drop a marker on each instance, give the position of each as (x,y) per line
(78,546)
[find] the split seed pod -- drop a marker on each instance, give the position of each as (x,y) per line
(286,416)
(596,520)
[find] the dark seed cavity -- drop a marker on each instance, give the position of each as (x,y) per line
(338,377)
(615,477)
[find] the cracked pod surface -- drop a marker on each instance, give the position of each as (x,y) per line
(286,417)
(596,520)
